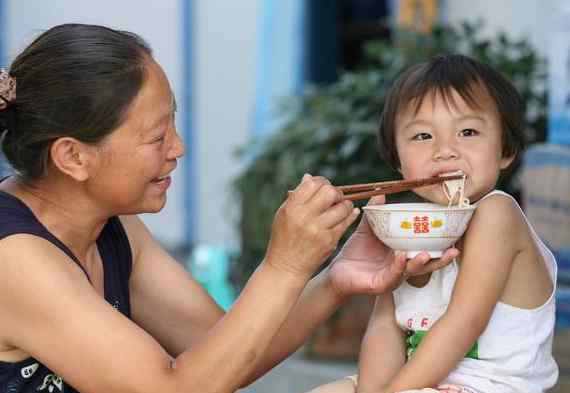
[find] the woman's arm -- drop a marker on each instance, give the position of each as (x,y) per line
(383,350)
(490,246)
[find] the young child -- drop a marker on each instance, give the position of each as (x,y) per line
(485,322)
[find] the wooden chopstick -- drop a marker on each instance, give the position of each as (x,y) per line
(366,186)
(356,192)
(363,191)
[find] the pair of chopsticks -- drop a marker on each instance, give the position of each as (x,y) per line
(363,191)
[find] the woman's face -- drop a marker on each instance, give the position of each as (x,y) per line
(136,160)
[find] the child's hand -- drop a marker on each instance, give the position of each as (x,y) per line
(366,265)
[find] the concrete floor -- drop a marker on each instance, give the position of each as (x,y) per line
(298,374)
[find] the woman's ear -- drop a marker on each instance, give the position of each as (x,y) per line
(72,157)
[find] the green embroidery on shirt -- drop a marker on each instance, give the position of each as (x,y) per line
(414,338)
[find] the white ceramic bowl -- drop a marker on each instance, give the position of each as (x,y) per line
(417,227)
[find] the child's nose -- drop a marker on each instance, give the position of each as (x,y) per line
(445,151)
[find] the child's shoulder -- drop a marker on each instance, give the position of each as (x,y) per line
(498,214)
(499,207)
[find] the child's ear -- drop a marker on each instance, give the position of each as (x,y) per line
(507,161)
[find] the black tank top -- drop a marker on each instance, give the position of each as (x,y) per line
(29,375)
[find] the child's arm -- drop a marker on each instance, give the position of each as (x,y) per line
(383,348)
(490,245)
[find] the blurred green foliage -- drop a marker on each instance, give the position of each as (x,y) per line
(331,130)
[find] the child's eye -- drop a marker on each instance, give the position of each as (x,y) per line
(159,139)
(421,136)
(468,132)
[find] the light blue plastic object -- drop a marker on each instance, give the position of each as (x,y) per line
(209,265)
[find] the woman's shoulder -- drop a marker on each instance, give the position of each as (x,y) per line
(17,220)
(13,210)
(29,252)
(29,267)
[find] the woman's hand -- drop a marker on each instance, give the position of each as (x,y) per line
(308,226)
(366,265)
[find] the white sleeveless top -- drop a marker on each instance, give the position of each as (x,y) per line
(514,352)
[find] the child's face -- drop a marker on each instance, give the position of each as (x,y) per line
(446,137)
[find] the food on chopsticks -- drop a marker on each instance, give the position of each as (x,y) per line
(454,189)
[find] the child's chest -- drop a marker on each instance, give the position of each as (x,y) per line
(422,300)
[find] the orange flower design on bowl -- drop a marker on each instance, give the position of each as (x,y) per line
(437,223)
(406,225)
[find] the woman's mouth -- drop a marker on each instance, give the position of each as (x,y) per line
(162,182)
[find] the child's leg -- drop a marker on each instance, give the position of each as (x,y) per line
(345,385)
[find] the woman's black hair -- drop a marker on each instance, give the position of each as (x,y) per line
(442,75)
(74,80)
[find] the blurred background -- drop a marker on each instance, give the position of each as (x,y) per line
(271,89)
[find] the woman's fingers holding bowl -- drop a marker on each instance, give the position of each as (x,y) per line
(422,263)
(396,271)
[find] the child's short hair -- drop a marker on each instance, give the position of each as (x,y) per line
(441,75)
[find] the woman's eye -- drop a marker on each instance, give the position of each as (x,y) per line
(422,136)
(159,139)
(468,132)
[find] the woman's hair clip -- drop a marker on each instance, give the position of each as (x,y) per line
(7,89)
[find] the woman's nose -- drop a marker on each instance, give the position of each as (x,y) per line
(177,148)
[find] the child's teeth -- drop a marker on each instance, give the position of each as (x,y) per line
(460,172)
